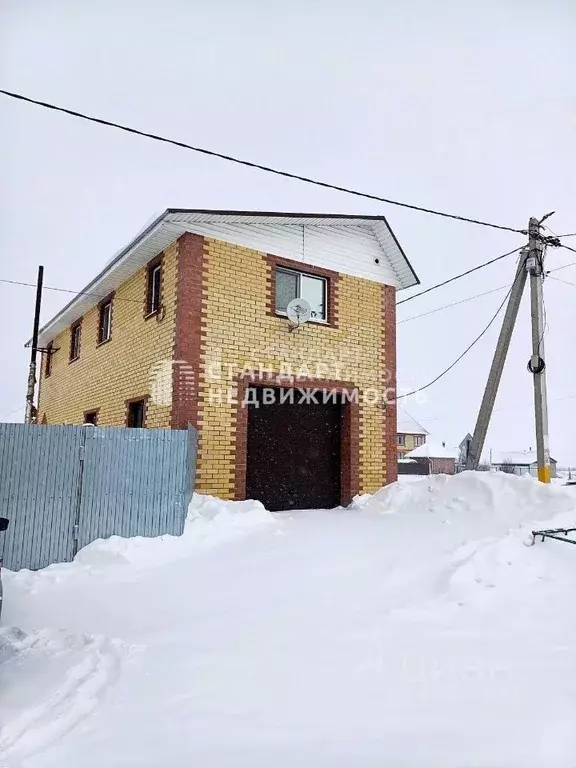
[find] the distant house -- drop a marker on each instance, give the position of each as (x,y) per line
(518,462)
(410,434)
(431,458)
(463,450)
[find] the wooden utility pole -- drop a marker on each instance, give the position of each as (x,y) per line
(537,365)
(30,417)
(491,390)
(531,263)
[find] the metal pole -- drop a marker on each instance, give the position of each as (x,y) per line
(537,366)
(30,410)
(487,406)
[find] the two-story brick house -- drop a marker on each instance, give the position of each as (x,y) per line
(187,325)
(410,435)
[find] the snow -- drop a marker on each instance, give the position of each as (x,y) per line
(414,629)
(407,425)
(514,457)
(433,450)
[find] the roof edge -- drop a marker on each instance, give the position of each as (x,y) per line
(156,222)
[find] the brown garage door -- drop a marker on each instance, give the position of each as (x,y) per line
(293,451)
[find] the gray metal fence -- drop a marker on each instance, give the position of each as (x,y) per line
(62,487)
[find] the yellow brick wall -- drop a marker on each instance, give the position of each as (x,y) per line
(409,444)
(135,362)
(239,332)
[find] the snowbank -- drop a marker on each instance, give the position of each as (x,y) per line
(414,629)
(495,500)
(209,522)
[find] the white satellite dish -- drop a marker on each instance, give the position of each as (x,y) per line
(299,311)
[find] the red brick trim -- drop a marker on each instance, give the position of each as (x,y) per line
(89,412)
(350,434)
(156,261)
(332,280)
(189,331)
(389,420)
(145,398)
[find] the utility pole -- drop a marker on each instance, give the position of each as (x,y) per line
(487,406)
(537,365)
(30,417)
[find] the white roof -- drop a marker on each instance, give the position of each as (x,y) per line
(433,450)
(406,425)
(514,457)
(364,246)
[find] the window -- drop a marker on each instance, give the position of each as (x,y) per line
(75,334)
(105,322)
(297,285)
(136,414)
(153,286)
(419,440)
(401,439)
(91,417)
(49,353)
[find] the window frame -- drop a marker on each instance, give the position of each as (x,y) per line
(419,440)
(48,362)
(300,273)
(401,439)
(92,411)
(108,301)
(75,347)
(132,401)
(156,265)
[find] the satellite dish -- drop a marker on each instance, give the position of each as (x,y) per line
(299,311)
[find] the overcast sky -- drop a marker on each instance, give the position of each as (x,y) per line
(445,105)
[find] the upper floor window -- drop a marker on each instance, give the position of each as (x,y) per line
(153,287)
(419,440)
(401,439)
(299,285)
(75,336)
(49,353)
(105,321)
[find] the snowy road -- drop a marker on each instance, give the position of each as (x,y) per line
(417,630)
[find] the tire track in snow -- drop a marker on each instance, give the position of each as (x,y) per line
(84,684)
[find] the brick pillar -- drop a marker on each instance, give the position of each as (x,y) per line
(188,332)
(389,363)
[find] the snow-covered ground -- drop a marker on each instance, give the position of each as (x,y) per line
(415,629)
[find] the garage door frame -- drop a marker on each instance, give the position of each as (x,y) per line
(349,432)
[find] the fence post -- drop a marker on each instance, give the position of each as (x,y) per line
(78,500)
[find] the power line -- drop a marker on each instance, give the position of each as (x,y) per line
(454,304)
(457,277)
(68,290)
(468,348)
(564,266)
(250,164)
(501,408)
(405,320)
(559,280)
(479,295)
(568,248)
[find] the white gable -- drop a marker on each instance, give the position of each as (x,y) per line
(355,245)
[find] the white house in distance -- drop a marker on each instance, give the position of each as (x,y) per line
(518,462)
